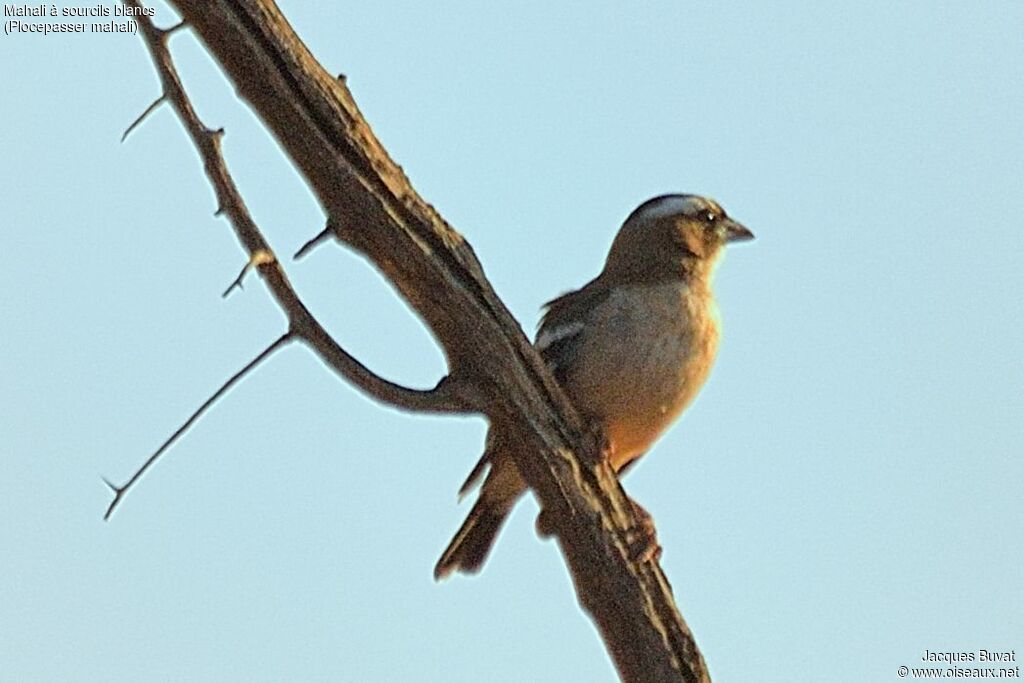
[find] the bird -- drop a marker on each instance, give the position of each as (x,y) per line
(631,349)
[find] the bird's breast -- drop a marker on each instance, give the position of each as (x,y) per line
(643,360)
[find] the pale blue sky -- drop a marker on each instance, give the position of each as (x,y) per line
(846,492)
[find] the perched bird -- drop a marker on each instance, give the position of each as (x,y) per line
(631,349)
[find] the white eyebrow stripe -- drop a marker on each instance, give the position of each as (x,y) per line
(547,337)
(673,205)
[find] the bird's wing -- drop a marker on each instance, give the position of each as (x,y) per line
(564,324)
(564,321)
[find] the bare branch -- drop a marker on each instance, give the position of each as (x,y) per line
(121,491)
(449,396)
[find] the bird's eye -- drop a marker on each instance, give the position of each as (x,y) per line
(709,216)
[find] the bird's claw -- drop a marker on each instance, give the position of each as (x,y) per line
(598,442)
(642,539)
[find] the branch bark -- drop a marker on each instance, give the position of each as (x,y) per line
(493,368)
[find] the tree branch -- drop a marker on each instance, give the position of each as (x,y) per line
(372,207)
(121,491)
(448,397)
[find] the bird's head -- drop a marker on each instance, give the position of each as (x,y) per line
(672,235)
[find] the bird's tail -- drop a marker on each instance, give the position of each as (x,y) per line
(471,545)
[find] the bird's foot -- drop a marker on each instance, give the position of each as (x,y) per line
(597,444)
(643,538)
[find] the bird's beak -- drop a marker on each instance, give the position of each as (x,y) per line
(737,232)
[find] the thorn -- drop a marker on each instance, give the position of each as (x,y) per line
(219,212)
(545,524)
(343,78)
(258,258)
(313,243)
(166,33)
(149,110)
(118,492)
(214,137)
(237,281)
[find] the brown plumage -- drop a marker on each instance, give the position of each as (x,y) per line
(631,349)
